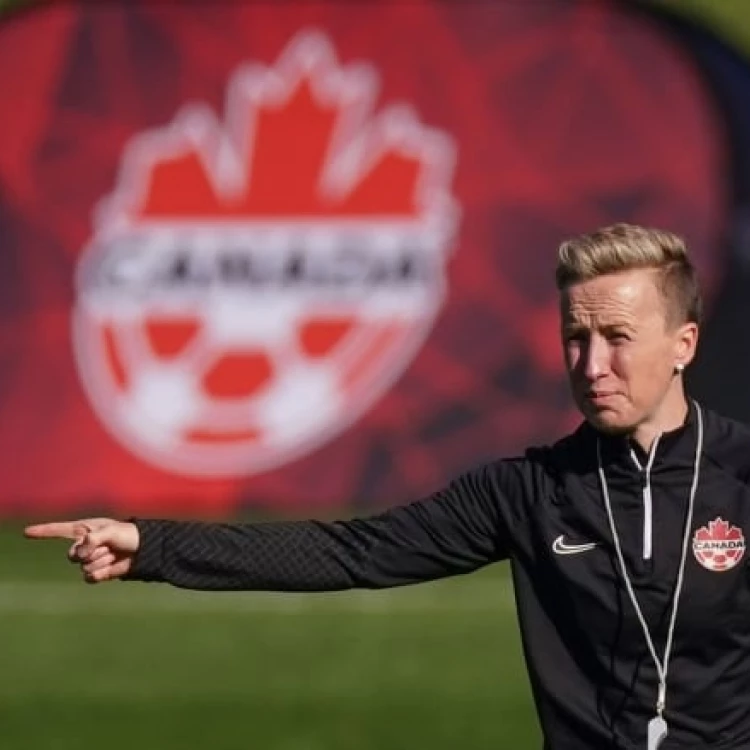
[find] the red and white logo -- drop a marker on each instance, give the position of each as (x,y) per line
(718,546)
(254,285)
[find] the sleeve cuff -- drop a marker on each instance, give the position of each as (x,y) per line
(148,563)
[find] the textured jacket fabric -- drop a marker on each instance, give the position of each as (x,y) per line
(593,680)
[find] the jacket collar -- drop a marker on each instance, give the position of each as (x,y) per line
(674,446)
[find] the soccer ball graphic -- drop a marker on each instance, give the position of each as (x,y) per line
(240,385)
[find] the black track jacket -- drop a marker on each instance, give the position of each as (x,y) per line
(593,680)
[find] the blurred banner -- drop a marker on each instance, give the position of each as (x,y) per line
(299,257)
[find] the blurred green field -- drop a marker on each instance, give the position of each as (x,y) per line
(129,665)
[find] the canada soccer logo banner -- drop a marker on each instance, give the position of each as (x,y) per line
(258,280)
(719,546)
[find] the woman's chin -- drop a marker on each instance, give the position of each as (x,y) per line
(608,420)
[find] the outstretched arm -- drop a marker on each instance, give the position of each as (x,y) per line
(454,531)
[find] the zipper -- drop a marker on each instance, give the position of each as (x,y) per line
(648,505)
(648,511)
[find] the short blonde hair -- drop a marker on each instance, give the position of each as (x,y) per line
(623,247)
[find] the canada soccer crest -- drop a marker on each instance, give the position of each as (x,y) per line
(254,285)
(719,546)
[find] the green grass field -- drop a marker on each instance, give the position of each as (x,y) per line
(128,665)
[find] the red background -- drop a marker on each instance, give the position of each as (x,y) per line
(566,116)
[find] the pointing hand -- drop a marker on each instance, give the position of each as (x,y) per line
(103,547)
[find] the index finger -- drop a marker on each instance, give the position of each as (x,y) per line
(58,530)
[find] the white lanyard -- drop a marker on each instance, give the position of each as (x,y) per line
(657,727)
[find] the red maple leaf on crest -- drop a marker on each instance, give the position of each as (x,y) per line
(718,530)
(297,142)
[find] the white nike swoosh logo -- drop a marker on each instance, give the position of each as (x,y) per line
(559,547)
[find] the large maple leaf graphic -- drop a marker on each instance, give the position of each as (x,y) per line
(298,141)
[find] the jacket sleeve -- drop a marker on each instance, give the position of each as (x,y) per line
(460,529)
